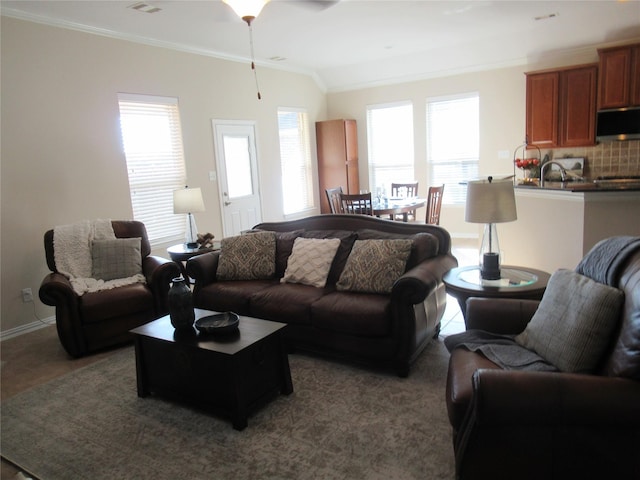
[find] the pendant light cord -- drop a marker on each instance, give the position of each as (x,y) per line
(253,63)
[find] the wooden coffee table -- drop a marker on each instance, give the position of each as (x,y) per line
(228,374)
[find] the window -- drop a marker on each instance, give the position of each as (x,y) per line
(152,141)
(390,143)
(295,160)
(453,144)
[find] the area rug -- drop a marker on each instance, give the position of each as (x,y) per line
(341,422)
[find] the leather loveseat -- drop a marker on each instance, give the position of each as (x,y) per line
(382,330)
(511,423)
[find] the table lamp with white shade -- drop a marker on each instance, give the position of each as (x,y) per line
(490,201)
(189,200)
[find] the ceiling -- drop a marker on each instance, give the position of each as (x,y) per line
(347,44)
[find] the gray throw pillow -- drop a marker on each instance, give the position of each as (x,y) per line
(374,266)
(116,258)
(247,257)
(573,324)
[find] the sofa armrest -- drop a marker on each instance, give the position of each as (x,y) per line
(416,284)
(555,425)
(159,272)
(56,290)
(507,316)
(502,397)
(202,269)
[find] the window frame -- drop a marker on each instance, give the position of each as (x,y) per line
(151,194)
(300,160)
(382,174)
(462,166)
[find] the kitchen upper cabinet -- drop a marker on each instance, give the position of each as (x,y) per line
(337,143)
(619,77)
(561,107)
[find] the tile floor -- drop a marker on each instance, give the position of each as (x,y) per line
(466,251)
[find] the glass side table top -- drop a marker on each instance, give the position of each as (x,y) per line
(510,278)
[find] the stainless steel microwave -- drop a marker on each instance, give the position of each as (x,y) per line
(618,124)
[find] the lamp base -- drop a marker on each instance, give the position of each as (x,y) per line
(490,269)
(191,245)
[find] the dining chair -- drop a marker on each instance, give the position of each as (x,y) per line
(360,203)
(333,196)
(408,190)
(434,204)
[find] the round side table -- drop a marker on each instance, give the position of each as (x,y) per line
(515,282)
(181,253)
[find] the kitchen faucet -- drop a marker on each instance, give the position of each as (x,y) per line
(563,172)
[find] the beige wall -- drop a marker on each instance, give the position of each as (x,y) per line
(62,159)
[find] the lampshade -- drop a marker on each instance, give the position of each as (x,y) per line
(247,9)
(490,201)
(188,200)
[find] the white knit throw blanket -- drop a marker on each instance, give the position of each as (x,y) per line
(72,254)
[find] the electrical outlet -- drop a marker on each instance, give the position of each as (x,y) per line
(27,295)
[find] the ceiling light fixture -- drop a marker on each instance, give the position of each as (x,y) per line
(144,7)
(248,10)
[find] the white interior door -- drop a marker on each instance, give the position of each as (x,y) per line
(237,166)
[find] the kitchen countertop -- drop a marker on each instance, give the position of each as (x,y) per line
(585,186)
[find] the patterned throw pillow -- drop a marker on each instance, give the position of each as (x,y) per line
(374,265)
(310,261)
(574,321)
(115,258)
(247,257)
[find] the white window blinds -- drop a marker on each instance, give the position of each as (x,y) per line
(453,144)
(390,145)
(152,141)
(295,160)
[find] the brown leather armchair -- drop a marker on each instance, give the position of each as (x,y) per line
(101,319)
(547,425)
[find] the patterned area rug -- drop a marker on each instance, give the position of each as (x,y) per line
(341,422)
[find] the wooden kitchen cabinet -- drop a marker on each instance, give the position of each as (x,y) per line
(337,144)
(619,77)
(561,107)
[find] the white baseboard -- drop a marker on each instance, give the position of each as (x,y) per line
(29,327)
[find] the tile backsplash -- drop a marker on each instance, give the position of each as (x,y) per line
(604,159)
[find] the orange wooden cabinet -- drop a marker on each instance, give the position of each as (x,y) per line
(337,144)
(561,107)
(619,77)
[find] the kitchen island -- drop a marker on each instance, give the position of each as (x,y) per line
(558,224)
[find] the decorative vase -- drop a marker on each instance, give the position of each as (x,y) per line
(180,304)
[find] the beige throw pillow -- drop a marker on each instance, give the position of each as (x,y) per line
(574,321)
(310,261)
(247,257)
(374,265)
(116,258)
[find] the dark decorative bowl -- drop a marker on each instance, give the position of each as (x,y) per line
(220,323)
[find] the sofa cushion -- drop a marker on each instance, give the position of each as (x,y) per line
(284,246)
(231,296)
(374,265)
(425,245)
(116,258)
(251,256)
(347,238)
(122,302)
(286,302)
(360,314)
(310,261)
(572,326)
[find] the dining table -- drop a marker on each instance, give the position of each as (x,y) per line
(397,206)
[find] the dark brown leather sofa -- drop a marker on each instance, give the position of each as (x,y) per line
(97,320)
(383,330)
(510,424)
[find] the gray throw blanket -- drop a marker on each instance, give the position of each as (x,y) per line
(603,262)
(502,350)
